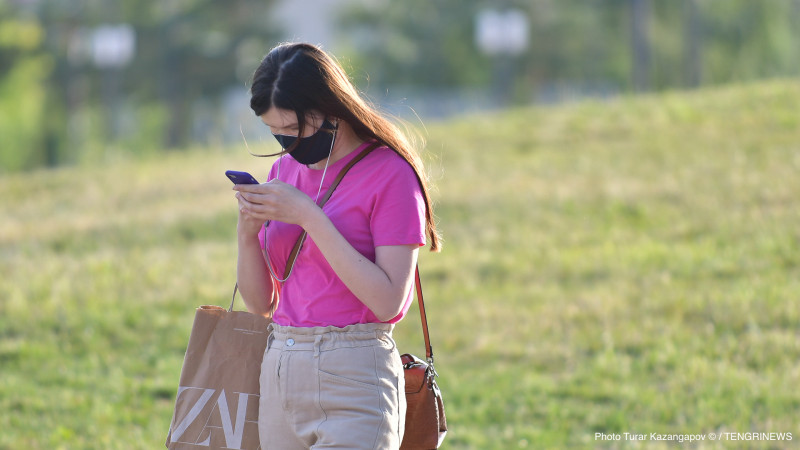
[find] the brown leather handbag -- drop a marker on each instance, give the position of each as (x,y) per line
(425,420)
(426,425)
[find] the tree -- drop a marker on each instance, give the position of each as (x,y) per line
(24,67)
(198,49)
(640,43)
(183,51)
(692,35)
(417,43)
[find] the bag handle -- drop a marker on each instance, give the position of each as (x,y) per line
(299,244)
(424,318)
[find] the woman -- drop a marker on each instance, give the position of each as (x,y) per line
(331,375)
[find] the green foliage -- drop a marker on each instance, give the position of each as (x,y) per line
(23,35)
(22,114)
(79,110)
(577,44)
(58,107)
(747,40)
(22,94)
(150,124)
(621,266)
(417,42)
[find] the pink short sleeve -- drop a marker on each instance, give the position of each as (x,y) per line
(398,217)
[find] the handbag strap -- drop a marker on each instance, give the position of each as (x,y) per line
(423,317)
(299,244)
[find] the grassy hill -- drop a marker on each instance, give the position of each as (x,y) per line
(622,266)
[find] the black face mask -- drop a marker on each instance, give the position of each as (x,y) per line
(311,149)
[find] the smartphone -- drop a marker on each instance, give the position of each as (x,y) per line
(240,177)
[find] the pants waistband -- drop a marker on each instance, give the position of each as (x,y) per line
(326,338)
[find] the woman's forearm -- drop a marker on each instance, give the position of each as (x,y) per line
(255,286)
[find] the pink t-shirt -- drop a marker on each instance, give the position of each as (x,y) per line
(379,202)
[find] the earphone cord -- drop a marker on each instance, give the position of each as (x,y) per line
(316,199)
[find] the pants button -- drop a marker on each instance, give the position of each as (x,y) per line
(289,342)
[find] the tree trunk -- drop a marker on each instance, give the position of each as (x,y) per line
(640,43)
(692,41)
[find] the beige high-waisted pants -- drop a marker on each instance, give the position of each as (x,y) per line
(328,387)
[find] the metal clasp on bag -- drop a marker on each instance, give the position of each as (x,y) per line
(432,374)
(430,362)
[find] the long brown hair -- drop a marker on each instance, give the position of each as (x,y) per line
(303,78)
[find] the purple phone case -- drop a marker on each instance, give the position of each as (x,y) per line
(240,177)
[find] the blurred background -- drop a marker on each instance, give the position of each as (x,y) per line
(84,80)
(615,180)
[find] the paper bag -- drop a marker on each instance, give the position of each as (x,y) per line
(217,401)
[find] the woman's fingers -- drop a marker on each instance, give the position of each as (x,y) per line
(249,208)
(255,193)
(255,188)
(254,198)
(274,200)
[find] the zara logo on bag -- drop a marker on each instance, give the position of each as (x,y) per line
(209,421)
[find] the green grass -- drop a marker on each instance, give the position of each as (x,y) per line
(621,266)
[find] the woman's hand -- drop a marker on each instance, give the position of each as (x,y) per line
(274,200)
